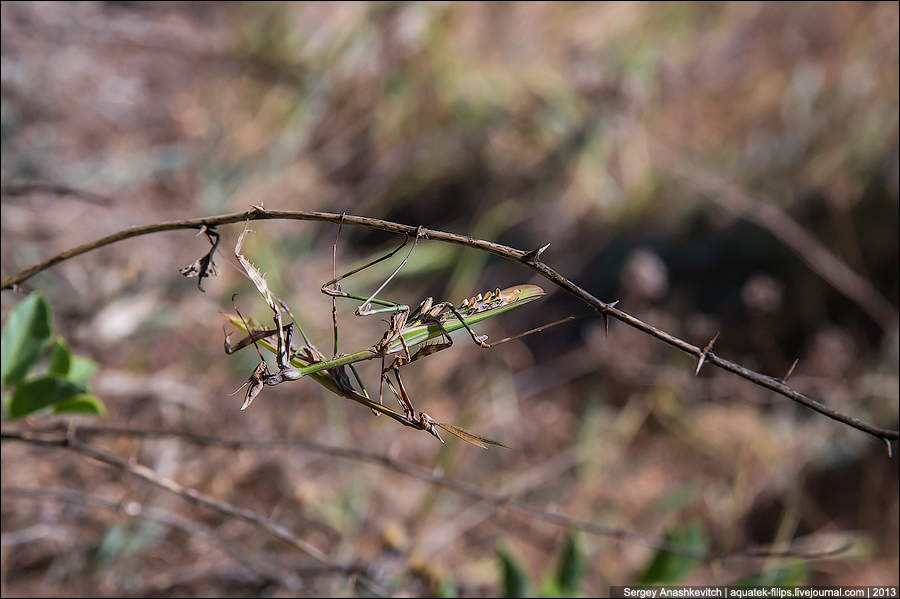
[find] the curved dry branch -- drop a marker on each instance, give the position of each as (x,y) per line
(68,441)
(426,475)
(261,567)
(530,259)
(24,188)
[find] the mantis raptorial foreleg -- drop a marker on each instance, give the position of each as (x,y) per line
(284,352)
(257,335)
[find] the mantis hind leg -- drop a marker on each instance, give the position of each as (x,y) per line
(443,307)
(333,289)
(257,335)
(402,395)
(426,350)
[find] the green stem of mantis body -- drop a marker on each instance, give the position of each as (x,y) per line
(305,367)
(318,375)
(412,336)
(366,354)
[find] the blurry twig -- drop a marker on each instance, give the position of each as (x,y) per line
(541,475)
(51,435)
(23,188)
(785,229)
(38,532)
(529,259)
(794,553)
(68,440)
(424,474)
(133,509)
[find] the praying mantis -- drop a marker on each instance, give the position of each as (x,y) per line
(407,328)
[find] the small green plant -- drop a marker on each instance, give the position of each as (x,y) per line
(669,567)
(562,583)
(62,387)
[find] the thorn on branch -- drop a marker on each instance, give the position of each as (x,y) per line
(790,371)
(704,353)
(606,316)
(535,254)
(204,266)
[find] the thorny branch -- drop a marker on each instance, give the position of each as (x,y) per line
(530,259)
(358,572)
(769,216)
(438,478)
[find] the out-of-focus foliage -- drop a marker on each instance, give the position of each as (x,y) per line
(522,123)
(26,331)
(64,386)
(669,567)
(515,581)
(563,583)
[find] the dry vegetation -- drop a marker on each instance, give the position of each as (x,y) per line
(642,141)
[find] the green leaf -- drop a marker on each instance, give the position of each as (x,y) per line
(446,588)
(24,336)
(82,403)
(36,395)
(114,542)
(571,566)
(550,588)
(64,364)
(60,358)
(667,567)
(5,400)
(515,583)
(80,370)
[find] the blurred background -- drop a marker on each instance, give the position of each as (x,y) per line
(694,161)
